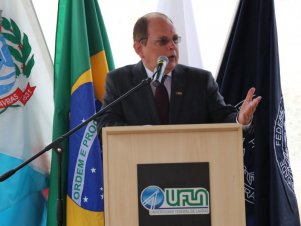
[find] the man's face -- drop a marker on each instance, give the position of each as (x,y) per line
(162,41)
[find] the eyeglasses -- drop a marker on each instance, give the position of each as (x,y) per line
(163,41)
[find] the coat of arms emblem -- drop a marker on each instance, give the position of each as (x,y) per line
(16,63)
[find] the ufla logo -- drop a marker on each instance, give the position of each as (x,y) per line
(175,201)
(16,63)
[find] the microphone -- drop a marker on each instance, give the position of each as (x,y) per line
(161,65)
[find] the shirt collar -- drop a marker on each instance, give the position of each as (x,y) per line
(150,73)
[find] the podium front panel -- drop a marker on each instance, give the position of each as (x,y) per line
(218,144)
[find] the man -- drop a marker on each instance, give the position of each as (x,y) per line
(193,93)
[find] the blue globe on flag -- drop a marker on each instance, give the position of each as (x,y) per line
(7,68)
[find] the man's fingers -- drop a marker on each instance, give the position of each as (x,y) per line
(250,94)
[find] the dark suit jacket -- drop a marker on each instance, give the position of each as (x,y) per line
(194,98)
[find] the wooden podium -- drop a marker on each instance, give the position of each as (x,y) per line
(218,144)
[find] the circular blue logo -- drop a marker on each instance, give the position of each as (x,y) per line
(152,197)
(7,68)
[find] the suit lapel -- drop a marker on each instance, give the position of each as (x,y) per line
(145,94)
(177,92)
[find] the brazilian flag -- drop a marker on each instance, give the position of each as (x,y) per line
(82,59)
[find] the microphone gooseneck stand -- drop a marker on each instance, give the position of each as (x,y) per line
(56,145)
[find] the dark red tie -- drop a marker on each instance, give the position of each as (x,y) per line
(162,102)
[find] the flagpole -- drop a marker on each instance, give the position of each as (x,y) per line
(59,207)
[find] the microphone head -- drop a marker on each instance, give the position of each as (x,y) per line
(162,59)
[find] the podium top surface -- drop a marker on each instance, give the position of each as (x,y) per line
(172,128)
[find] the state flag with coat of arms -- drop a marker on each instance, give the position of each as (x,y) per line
(26,114)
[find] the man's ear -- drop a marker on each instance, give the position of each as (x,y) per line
(138,48)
